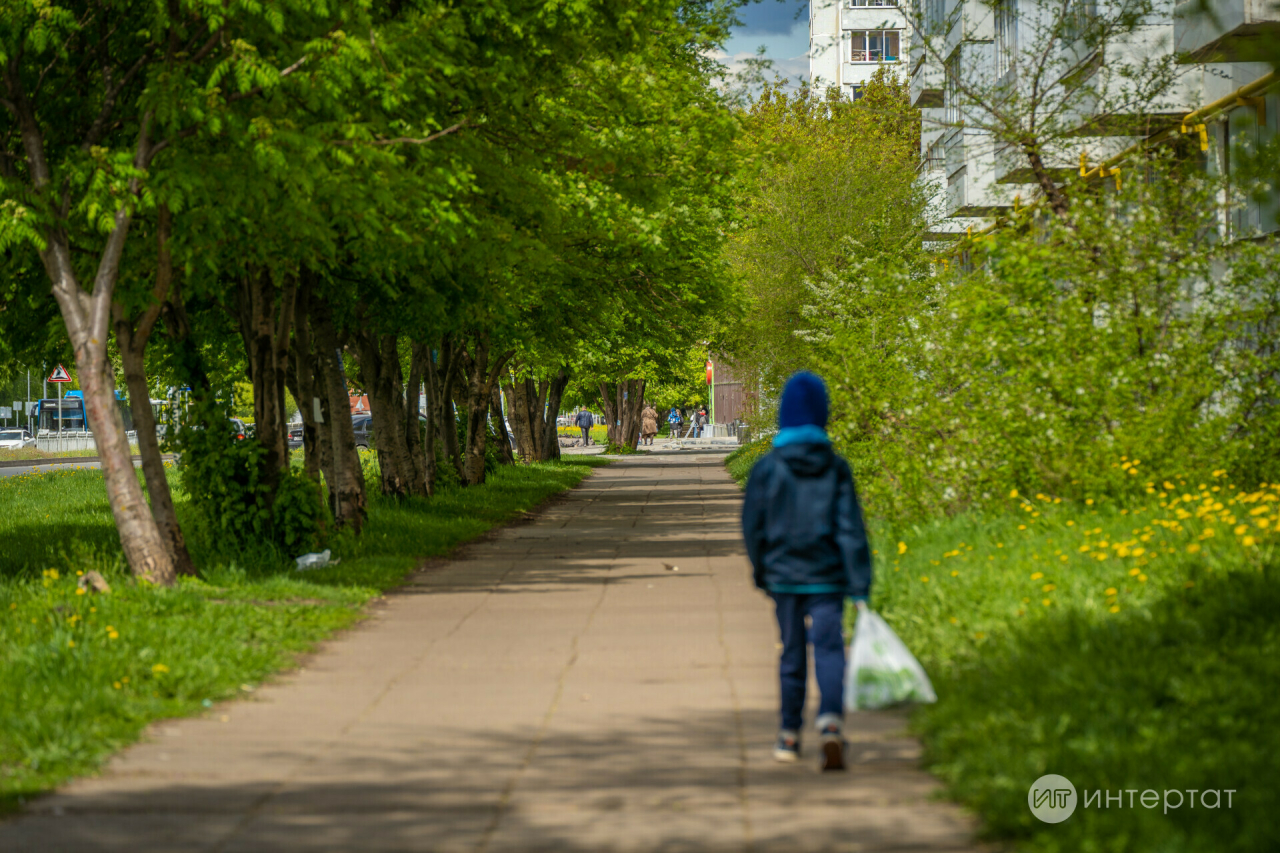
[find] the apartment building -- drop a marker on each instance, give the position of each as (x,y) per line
(849,39)
(1218,93)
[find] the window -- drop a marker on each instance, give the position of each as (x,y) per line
(935,16)
(1006,14)
(874,46)
(855,3)
(952,102)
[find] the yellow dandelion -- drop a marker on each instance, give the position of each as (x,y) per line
(1047,601)
(1035,576)
(1022,527)
(71,644)
(955,574)
(1013,494)
(159,668)
(1142,578)
(1193,548)
(1111,590)
(902,547)
(924,579)
(1049,587)
(116,685)
(1115,608)
(1247,541)
(1088,501)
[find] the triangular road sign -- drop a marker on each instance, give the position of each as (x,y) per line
(60,375)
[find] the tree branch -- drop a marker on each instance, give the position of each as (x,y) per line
(405,140)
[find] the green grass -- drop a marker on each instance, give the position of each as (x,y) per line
(31,453)
(81,674)
(1146,659)
(739,462)
(1131,647)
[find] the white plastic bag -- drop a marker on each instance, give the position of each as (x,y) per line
(881,672)
(315,561)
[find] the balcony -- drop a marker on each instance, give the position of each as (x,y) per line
(887,17)
(1225,30)
(927,82)
(972,188)
(1116,103)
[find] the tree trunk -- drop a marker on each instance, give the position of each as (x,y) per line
(434,381)
(500,426)
(448,416)
(419,357)
(623,404)
(480,374)
(87,317)
(346,483)
(551,435)
(132,337)
(301,382)
(265,323)
(382,379)
(533,409)
(522,398)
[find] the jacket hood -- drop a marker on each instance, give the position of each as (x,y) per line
(807,459)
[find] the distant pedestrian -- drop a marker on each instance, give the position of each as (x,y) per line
(675,421)
(699,421)
(808,548)
(648,424)
(585,421)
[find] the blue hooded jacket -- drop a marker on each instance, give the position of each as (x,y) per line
(801,518)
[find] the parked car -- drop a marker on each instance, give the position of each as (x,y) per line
(362,425)
(15,439)
(240,428)
(295,436)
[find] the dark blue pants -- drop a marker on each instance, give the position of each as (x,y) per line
(826,614)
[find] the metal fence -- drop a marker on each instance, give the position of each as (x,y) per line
(67,442)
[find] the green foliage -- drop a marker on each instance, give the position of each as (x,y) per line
(233,508)
(1117,644)
(1098,354)
(105,665)
(819,169)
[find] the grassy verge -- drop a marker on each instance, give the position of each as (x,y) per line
(1123,647)
(739,462)
(31,453)
(1126,647)
(81,673)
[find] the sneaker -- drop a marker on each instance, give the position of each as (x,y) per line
(833,744)
(787,749)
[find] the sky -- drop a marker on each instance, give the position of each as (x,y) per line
(782,26)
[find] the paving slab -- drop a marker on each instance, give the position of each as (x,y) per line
(602,678)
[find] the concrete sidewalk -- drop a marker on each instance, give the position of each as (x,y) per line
(554,689)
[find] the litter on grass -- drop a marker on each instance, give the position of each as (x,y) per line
(315,561)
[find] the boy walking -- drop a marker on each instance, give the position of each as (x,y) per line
(808,548)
